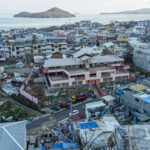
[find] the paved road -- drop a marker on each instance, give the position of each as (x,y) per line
(58,116)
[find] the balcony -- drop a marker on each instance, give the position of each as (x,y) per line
(122,74)
(106,76)
(58,78)
(126,67)
(79,78)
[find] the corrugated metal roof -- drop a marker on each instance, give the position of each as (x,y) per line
(73,61)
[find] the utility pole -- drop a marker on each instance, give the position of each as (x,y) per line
(114,86)
(70,100)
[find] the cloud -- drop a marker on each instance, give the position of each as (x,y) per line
(81,6)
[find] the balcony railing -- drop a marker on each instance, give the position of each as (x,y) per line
(58,78)
(79,78)
(106,76)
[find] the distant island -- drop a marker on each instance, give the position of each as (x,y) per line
(52,13)
(139,11)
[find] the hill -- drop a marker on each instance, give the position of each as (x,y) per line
(139,11)
(52,13)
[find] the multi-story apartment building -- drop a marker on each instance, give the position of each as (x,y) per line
(85,69)
(142,54)
(135,96)
(46,45)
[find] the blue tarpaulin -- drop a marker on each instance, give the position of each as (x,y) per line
(88,125)
(57,146)
(43,147)
(64,145)
(118,92)
(70,145)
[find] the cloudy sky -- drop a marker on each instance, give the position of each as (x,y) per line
(74,6)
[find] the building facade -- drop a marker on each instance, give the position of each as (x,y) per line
(143,55)
(85,69)
(136,97)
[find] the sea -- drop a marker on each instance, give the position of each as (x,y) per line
(7,21)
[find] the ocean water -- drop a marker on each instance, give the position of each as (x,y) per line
(7,21)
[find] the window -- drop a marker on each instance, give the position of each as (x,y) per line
(74,83)
(137,100)
(93,75)
(53,49)
(59,49)
(65,84)
(56,46)
(80,83)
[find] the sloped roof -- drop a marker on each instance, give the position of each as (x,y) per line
(72,61)
(13,135)
(85,50)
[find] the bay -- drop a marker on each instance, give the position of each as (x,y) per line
(7,21)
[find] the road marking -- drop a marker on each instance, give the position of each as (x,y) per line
(63,120)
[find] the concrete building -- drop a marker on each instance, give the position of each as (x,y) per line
(94,108)
(135,96)
(4,53)
(13,136)
(142,54)
(95,135)
(40,45)
(85,69)
(132,137)
(108,100)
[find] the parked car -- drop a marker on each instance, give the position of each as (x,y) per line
(93,95)
(63,104)
(74,112)
(77,117)
(54,107)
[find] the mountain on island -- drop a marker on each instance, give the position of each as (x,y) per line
(139,11)
(52,13)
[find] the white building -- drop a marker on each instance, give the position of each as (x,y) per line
(141,58)
(108,100)
(95,134)
(132,137)
(1,69)
(136,97)
(93,108)
(85,69)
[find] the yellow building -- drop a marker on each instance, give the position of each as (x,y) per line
(122,38)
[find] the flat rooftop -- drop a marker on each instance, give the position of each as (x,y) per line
(95,104)
(108,98)
(138,87)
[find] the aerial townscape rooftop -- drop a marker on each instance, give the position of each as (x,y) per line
(79,85)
